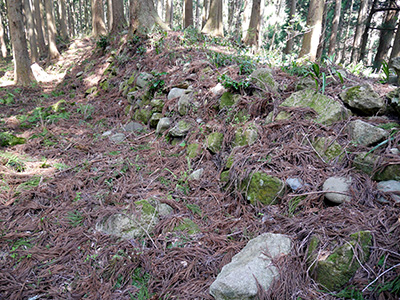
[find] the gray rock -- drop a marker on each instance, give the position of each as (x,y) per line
(107,133)
(163,125)
(176,93)
(184,104)
(366,134)
(337,184)
(237,280)
(396,66)
(180,129)
(294,183)
(155,118)
(134,127)
(264,80)
(363,98)
(143,80)
(391,187)
(196,175)
(117,138)
(214,141)
(218,89)
(305,83)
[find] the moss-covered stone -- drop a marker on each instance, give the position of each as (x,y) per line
(8,139)
(328,109)
(229,162)
(383,171)
(155,118)
(214,141)
(180,129)
(335,270)
(193,150)
(146,208)
(187,225)
(262,188)
(105,85)
(157,105)
(228,99)
(245,137)
(263,79)
(363,98)
(328,150)
(142,115)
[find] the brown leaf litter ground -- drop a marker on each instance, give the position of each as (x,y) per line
(68,177)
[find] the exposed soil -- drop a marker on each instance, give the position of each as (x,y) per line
(68,177)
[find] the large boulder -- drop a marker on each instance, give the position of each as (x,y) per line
(328,109)
(228,99)
(262,188)
(366,134)
(333,269)
(363,99)
(393,105)
(163,125)
(238,279)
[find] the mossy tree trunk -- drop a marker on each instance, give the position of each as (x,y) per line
(251,38)
(22,65)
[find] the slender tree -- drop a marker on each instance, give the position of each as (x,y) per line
(30,26)
(361,19)
(396,44)
(364,39)
(144,17)
(188,17)
(62,11)
(292,14)
(314,23)
(22,66)
(169,12)
(346,33)
(3,47)
(98,25)
(117,19)
(206,9)
(39,26)
(51,30)
(214,24)
(252,35)
(335,26)
(386,36)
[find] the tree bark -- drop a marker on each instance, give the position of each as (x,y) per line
(346,33)
(144,17)
(361,19)
(251,38)
(30,26)
(39,26)
(292,13)
(386,36)
(206,4)
(314,23)
(335,26)
(117,19)
(396,44)
(63,20)
(169,12)
(214,26)
(188,17)
(364,39)
(3,47)
(98,25)
(322,40)
(22,66)
(51,30)
(71,19)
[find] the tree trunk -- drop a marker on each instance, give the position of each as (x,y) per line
(51,30)
(396,45)
(335,26)
(63,20)
(71,19)
(362,18)
(144,17)
(251,38)
(98,25)
(22,66)
(364,39)
(214,26)
(322,41)
(30,26)
(3,47)
(169,12)
(206,4)
(314,23)
(386,36)
(292,13)
(346,33)
(39,26)
(117,19)
(188,17)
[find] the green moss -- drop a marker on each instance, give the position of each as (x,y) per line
(157,105)
(383,172)
(105,85)
(155,118)
(331,152)
(229,161)
(263,79)
(8,139)
(214,141)
(262,188)
(228,99)
(193,150)
(188,226)
(91,90)
(142,115)
(146,207)
(224,176)
(245,137)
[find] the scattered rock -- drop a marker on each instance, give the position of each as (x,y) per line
(333,270)
(363,99)
(143,80)
(196,175)
(237,280)
(155,118)
(228,99)
(305,83)
(163,125)
(134,127)
(294,183)
(176,93)
(218,89)
(107,133)
(214,141)
(396,67)
(142,115)
(262,188)
(366,134)
(117,138)
(193,150)
(157,105)
(393,105)
(379,169)
(187,225)
(337,184)
(184,104)
(264,80)
(391,188)
(328,148)
(245,137)
(180,129)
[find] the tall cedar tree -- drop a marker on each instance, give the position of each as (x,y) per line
(214,26)
(253,32)
(144,17)
(51,30)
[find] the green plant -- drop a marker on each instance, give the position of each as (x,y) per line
(75,218)
(157,83)
(349,292)
(233,85)
(386,72)
(140,280)
(102,42)
(8,100)
(12,160)
(86,110)
(195,209)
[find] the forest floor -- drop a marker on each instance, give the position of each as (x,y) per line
(68,176)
